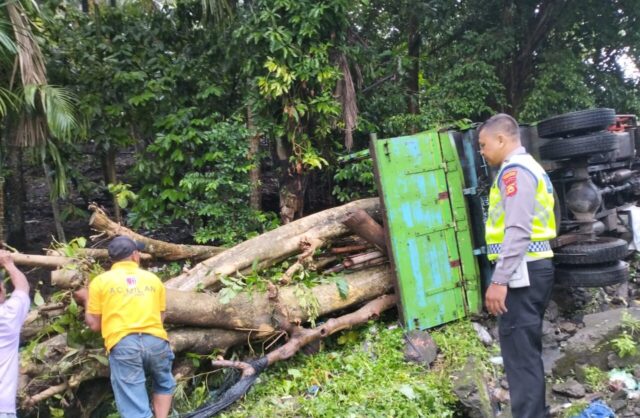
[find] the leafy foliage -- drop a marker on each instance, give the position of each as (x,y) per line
(198,179)
(595,378)
(624,345)
(362,372)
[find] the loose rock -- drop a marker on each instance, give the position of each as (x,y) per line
(570,388)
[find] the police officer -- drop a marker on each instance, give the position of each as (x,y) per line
(519,226)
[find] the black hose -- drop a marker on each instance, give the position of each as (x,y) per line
(235,392)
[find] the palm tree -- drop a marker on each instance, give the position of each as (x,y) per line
(34,114)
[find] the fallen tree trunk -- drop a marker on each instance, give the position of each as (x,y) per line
(205,340)
(47,261)
(95,253)
(366,227)
(299,337)
(272,246)
(255,310)
(67,278)
(158,249)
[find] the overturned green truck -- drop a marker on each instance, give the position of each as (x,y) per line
(434,192)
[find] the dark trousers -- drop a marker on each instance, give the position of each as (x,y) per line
(521,341)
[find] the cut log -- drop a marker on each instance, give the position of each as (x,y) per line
(273,246)
(95,253)
(205,340)
(366,227)
(158,249)
(348,249)
(255,310)
(47,261)
(361,258)
(67,278)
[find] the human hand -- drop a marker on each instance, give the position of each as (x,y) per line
(495,299)
(81,296)
(5,258)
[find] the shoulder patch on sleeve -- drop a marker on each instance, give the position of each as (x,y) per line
(510,182)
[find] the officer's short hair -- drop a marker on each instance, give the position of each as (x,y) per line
(502,123)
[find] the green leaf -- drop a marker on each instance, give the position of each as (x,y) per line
(343,287)
(38,300)
(101,359)
(295,373)
(407,390)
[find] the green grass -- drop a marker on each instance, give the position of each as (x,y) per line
(362,372)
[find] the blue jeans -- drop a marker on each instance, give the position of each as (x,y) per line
(133,357)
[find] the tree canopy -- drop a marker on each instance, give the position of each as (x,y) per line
(187,84)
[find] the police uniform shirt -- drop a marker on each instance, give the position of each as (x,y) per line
(518,191)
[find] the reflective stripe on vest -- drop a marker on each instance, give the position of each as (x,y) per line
(543,226)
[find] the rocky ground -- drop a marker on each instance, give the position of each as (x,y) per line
(584,356)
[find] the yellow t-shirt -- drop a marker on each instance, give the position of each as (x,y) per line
(130,300)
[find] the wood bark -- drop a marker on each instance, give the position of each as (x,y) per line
(205,340)
(48,261)
(255,201)
(67,278)
(273,246)
(255,311)
(110,177)
(159,249)
(96,253)
(361,258)
(301,336)
(15,233)
(366,227)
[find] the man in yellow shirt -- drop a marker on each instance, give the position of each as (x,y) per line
(127,304)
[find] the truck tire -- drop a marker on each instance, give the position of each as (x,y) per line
(625,150)
(592,276)
(600,250)
(580,122)
(579,146)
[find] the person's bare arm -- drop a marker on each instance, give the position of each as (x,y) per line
(18,279)
(93,321)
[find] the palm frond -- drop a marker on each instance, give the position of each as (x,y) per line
(8,45)
(8,100)
(57,105)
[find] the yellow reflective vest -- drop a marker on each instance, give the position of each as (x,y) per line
(543,224)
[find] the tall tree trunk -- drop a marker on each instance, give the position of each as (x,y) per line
(110,177)
(254,174)
(291,184)
(414,41)
(292,188)
(14,195)
(55,207)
